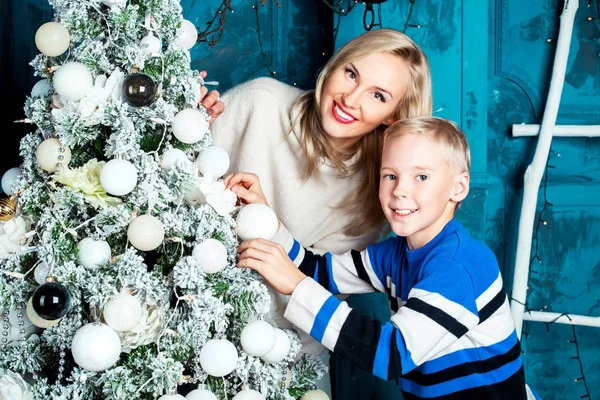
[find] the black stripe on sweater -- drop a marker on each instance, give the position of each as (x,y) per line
(490,308)
(360,267)
(444,319)
(465,369)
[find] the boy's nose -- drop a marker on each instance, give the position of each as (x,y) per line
(400,190)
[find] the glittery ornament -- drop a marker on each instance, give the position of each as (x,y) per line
(139,90)
(8,208)
(51,301)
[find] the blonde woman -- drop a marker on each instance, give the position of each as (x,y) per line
(317,152)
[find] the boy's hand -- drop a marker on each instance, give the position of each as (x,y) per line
(210,101)
(272,262)
(246,186)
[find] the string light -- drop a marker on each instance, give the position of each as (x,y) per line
(263,54)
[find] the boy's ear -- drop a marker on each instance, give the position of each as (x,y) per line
(461,187)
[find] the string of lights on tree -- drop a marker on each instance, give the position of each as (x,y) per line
(537,260)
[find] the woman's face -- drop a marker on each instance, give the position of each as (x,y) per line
(362,95)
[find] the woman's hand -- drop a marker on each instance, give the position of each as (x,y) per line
(210,101)
(246,186)
(272,262)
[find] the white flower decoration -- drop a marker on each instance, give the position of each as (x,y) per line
(12,235)
(146,331)
(214,193)
(13,387)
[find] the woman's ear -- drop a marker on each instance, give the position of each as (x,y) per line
(389,120)
(461,187)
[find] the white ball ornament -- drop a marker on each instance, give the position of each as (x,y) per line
(256,220)
(218,357)
(122,312)
(280,349)
(151,44)
(213,161)
(201,394)
(96,347)
(249,394)
(146,232)
(41,272)
(93,254)
(171,397)
(51,154)
(41,88)
(211,255)
(189,126)
(172,158)
(9,178)
(258,338)
(52,39)
(72,81)
(118,177)
(315,395)
(187,35)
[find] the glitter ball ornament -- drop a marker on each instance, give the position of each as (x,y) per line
(171,397)
(9,178)
(122,312)
(280,349)
(96,347)
(139,90)
(256,220)
(151,44)
(52,154)
(146,232)
(93,254)
(37,320)
(52,39)
(51,301)
(41,88)
(187,35)
(249,394)
(8,208)
(201,394)
(218,357)
(72,81)
(189,126)
(258,338)
(172,158)
(315,395)
(213,161)
(118,177)
(211,255)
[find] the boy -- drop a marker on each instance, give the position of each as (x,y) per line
(452,335)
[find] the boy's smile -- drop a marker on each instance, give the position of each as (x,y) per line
(418,189)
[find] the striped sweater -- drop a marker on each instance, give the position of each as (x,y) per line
(451,335)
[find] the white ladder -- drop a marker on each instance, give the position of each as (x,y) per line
(534,175)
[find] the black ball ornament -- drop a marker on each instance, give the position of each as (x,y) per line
(51,301)
(139,90)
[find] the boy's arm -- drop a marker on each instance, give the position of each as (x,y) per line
(428,323)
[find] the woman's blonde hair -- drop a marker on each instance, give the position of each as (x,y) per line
(363,205)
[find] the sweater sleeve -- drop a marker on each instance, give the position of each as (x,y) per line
(438,312)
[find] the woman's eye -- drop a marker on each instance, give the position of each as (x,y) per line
(421,178)
(351,74)
(379,97)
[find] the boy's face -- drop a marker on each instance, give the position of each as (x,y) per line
(418,189)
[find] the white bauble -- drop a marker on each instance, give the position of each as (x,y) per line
(213,161)
(118,177)
(9,178)
(315,395)
(146,232)
(37,320)
(258,338)
(51,154)
(211,255)
(93,254)
(172,158)
(256,220)
(151,44)
(201,394)
(171,397)
(218,357)
(72,81)
(195,197)
(249,394)
(187,35)
(52,39)
(13,326)
(189,126)
(41,88)
(281,348)
(96,347)
(41,272)
(122,312)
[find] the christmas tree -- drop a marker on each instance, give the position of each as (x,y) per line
(118,241)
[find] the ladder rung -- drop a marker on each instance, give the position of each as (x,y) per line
(571,319)
(519,130)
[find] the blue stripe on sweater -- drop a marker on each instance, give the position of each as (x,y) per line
(323,317)
(294,250)
(332,287)
(381,362)
(469,355)
(463,383)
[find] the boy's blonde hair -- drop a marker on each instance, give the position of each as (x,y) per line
(363,204)
(443,132)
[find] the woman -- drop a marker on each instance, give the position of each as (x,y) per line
(317,152)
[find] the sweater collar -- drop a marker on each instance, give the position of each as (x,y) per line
(418,255)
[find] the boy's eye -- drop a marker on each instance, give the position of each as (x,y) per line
(421,178)
(389,177)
